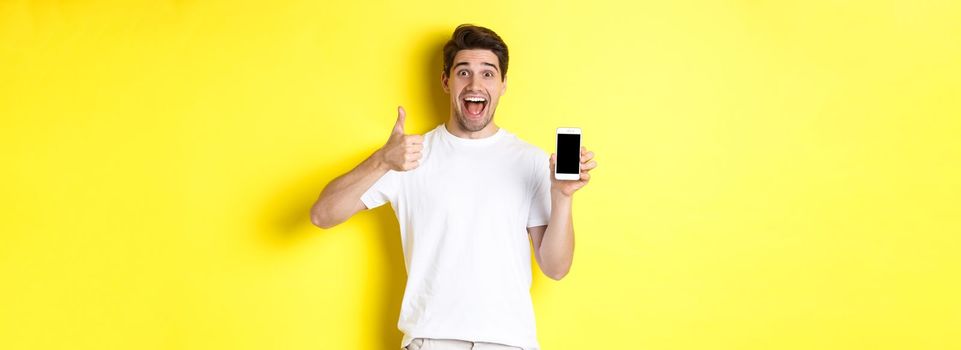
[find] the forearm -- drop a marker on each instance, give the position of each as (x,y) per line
(557,247)
(339,199)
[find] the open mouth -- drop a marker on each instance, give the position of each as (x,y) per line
(474,106)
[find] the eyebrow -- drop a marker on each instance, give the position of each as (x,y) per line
(484,63)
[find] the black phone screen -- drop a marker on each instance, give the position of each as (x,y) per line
(568,153)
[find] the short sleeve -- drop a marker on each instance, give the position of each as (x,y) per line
(540,212)
(383,191)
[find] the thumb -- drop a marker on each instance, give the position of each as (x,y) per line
(401,117)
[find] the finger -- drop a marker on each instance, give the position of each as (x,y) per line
(413,139)
(583,150)
(401,117)
(587,157)
(585,176)
(410,165)
(588,166)
(552,161)
(410,148)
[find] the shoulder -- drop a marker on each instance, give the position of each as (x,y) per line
(531,152)
(431,138)
(433,134)
(519,144)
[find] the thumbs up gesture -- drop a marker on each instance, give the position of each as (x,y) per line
(402,152)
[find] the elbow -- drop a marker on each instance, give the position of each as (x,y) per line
(558,273)
(557,276)
(319,218)
(555,267)
(320,222)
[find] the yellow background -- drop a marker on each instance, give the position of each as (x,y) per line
(772,174)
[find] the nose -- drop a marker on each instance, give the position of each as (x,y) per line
(473,84)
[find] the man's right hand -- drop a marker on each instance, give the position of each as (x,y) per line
(402,152)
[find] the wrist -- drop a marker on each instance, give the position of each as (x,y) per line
(558,195)
(380,163)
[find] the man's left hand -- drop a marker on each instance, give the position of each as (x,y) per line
(568,187)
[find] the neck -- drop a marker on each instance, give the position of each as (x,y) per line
(455,129)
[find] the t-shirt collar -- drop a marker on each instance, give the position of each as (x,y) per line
(470,142)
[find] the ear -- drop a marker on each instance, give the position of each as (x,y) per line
(443,82)
(504,86)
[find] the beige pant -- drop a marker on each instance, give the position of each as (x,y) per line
(453,344)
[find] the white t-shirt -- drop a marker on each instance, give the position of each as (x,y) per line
(464,214)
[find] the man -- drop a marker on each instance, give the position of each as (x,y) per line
(467,195)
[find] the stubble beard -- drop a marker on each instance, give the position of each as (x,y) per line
(473,127)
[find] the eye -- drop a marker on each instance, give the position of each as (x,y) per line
(488,75)
(462,73)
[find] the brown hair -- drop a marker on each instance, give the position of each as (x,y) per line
(469,36)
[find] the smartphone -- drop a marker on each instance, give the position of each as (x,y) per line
(568,165)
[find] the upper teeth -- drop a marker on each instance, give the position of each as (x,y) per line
(475,99)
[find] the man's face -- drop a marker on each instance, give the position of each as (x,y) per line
(475,86)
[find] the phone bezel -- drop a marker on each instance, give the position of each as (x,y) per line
(567,131)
